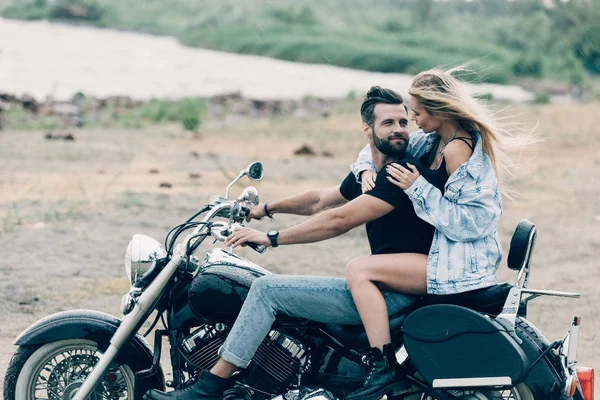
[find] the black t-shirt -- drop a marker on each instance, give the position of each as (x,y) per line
(399,231)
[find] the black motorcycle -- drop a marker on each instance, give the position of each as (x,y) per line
(475,345)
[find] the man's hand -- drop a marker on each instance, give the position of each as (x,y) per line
(368,180)
(402,177)
(256,212)
(241,236)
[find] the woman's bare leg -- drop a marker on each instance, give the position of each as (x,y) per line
(405,273)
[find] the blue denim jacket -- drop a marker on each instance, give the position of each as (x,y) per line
(465,252)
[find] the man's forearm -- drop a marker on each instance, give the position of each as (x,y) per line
(322,226)
(304,204)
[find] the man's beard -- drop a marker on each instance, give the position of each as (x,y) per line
(388,148)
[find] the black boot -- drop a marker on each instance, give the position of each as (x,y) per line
(380,375)
(206,386)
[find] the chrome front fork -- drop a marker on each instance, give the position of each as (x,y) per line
(145,304)
(130,325)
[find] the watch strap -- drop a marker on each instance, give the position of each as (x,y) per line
(273,238)
(267,213)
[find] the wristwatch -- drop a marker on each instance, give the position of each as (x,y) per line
(273,235)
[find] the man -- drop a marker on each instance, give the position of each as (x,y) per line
(392,227)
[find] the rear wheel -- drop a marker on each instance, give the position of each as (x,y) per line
(519,392)
(56,371)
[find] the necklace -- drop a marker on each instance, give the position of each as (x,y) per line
(454,134)
(439,155)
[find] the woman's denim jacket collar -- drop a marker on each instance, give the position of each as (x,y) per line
(465,252)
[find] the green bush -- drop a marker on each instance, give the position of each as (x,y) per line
(366,51)
(155,110)
(395,25)
(78,10)
(190,117)
(572,70)
(186,110)
(529,65)
(486,97)
(19,119)
(541,98)
(294,15)
(507,40)
(32,11)
(75,10)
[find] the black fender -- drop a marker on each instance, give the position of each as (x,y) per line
(98,327)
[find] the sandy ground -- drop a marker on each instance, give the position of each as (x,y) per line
(42,58)
(68,209)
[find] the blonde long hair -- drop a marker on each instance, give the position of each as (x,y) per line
(443,96)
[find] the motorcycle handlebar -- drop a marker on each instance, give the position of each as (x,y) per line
(259,248)
(221,230)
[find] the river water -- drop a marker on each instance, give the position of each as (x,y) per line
(42,58)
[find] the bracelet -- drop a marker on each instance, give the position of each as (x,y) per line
(267,213)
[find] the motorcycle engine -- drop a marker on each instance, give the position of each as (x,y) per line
(277,364)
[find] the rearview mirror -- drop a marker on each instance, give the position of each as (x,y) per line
(255,171)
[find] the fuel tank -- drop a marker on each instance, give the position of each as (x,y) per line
(221,285)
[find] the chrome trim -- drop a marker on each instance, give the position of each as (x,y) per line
(127,303)
(131,323)
(189,343)
(246,172)
(307,393)
(220,230)
(232,183)
(209,215)
(573,341)
(218,256)
(250,196)
(295,348)
(401,355)
(508,317)
(471,382)
(570,385)
(144,305)
(551,293)
(142,254)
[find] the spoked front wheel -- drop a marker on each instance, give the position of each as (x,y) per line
(56,371)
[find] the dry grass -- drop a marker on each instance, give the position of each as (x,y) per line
(68,208)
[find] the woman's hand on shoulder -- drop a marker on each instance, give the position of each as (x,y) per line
(456,153)
(401,176)
(368,180)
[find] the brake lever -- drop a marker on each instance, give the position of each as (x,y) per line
(259,248)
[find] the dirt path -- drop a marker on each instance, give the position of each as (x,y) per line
(68,209)
(43,58)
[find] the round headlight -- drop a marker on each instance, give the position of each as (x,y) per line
(128,260)
(141,254)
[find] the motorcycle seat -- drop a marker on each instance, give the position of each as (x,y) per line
(488,301)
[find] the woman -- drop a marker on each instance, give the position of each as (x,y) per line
(460,196)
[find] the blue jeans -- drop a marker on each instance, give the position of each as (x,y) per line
(322,299)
